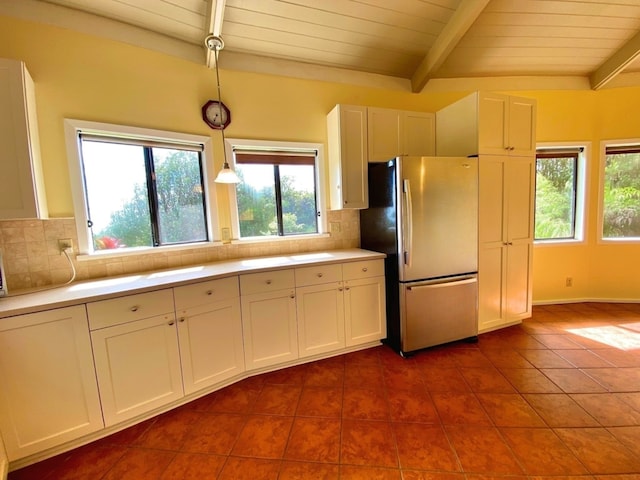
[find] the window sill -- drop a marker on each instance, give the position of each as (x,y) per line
(558,243)
(288,238)
(118,253)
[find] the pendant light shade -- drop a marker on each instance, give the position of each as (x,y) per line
(226,175)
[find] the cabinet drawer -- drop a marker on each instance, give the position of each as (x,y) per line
(318,274)
(205,292)
(363,269)
(266,281)
(116,311)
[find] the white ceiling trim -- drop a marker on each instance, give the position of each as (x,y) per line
(465,15)
(616,63)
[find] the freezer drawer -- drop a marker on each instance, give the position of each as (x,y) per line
(438,311)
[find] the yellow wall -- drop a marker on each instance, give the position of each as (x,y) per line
(89,78)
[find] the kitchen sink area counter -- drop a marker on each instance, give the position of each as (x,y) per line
(111,287)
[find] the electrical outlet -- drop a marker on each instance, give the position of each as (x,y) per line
(65,244)
(569,282)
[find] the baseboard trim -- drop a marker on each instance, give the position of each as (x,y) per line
(557,301)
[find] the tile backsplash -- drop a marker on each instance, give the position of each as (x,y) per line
(32,258)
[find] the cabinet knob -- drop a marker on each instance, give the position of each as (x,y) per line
(292,296)
(171,323)
(268,282)
(320,275)
(346,288)
(209,292)
(134,308)
(340,289)
(364,269)
(182,319)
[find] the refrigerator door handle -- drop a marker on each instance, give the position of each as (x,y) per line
(409,222)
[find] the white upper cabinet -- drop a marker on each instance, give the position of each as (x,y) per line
(394,133)
(348,153)
(22,194)
(358,135)
(384,135)
(419,133)
(487,123)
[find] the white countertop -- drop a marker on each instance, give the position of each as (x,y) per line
(111,287)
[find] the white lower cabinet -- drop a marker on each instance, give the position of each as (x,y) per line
(48,393)
(320,309)
(138,367)
(348,311)
(365,310)
(69,372)
(210,333)
(269,321)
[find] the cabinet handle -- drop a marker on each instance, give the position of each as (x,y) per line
(209,292)
(181,320)
(340,289)
(364,269)
(347,288)
(320,275)
(292,296)
(171,323)
(268,282)
(134,308)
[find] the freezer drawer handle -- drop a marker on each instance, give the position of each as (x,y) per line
(444,284)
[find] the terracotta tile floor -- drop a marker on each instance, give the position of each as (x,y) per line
(557,397)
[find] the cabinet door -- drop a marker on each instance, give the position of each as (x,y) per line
(348,156)
(492,261)
(493,118)
(419,134)
(522,126)
(138,367)
(365,310)
(320,311)
(520,232)
(383,132)
(210,344)
(22,194)
(269,328)
(491,199)
(48,392)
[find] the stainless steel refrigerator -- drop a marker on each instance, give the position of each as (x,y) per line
(423,213)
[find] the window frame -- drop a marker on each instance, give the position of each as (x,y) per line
(74,127)
(238,143)
(581,196)
(633,142)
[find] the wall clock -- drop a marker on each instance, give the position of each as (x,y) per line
(216,114)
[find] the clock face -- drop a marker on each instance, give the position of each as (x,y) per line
(216,114)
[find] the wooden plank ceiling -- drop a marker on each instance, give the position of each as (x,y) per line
(414,40)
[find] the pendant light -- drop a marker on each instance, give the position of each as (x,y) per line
(226,175)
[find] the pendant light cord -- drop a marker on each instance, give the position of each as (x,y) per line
(224,147)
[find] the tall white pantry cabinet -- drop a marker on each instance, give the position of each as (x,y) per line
(500,129)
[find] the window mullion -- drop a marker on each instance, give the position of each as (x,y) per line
(152,193)
(276,177)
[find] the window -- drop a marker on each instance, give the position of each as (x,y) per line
(140,188)
(559,193)
(278,194)
(621,192)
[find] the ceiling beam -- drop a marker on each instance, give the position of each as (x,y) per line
(616,63)
(215,15)
(462,19)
